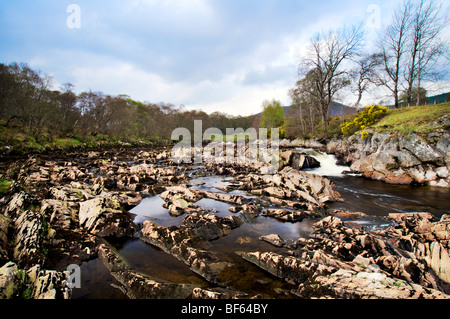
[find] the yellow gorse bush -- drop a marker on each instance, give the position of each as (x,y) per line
(370,115)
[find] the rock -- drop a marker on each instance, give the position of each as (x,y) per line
(286,215)
(138,285)
(210,226)
(187,194)
(293,187)
(28,231)
(221,293)
(51,284)
(350,285)
(4,242)
(34,283)
(347,214)
(298,160)
(235,199)
(301,161)
(179,200)
(421,149)
(398,159)
(440,261)
(362,260)
(18,202)
(373,268)
(273,239)
(59,213)
(180,242)
(101,216)
(8,280)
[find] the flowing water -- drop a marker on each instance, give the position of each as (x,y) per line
(376,199)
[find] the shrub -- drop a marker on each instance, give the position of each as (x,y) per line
(370,115)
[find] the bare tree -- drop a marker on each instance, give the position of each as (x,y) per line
(393,47)
(426,45)
(363,75)
(411,47)
(325,60)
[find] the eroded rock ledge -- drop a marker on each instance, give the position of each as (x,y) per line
(410,260)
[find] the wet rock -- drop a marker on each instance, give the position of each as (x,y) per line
(60,213)
(221,293)
(247,210)
(181,242)
(50,284)
(235,199)
(101,216)
(350,285)
(321,188)
(292,188)
(73,192)
(273,239)
(138,285)
(347,214)
(398,159)
(286,215)
(34,283)
(27,242)
(4,242)
(289,268)
(298,160)
(409,263)
(301,161)
(210,226)
(180,200)
(69,247)
(187,193)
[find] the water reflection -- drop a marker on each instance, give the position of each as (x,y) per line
(379,198)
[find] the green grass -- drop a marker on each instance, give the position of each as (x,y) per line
(413,119)
(4,186)
(66,143)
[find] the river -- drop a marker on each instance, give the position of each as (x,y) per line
(376,199)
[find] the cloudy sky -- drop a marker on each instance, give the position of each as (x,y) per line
(214,55)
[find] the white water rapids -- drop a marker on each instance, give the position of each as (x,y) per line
(328,166)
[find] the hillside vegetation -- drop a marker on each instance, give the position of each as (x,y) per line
(419,119)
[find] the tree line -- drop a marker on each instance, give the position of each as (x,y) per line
(409,51)
(28,103)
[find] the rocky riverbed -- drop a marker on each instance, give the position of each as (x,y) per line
(67,209)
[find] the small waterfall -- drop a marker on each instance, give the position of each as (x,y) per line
(328,166)
(307,162)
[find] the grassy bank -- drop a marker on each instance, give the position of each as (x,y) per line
(418,119)
(14,141)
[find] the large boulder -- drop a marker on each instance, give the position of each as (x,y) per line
(298,160)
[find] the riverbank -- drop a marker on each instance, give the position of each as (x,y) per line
(407,146)
(248,234)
